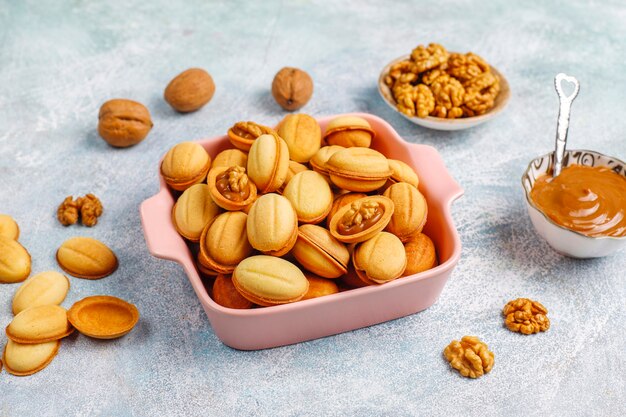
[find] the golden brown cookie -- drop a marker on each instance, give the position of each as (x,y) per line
(410,210)
(358,169)
(231,188)
(44,288)
(319,287)
(229,158)
(302,134)
(103,316)
(23,360)
(193,210)
(85,257)
(225,294)
(14,261)
(420,254)
(380,259)
(348,131)
(39,325)
(224,242)
(272,225)
(268,162)
(268,280)
(310,195)
(362,219)
(184,165)
(319,252)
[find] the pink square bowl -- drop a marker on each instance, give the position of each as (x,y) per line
(262,328)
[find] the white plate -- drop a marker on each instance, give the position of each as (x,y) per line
(446,124)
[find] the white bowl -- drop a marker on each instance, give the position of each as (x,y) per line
(439,123)
(563,240)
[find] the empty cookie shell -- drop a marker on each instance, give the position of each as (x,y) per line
(44,288)
(349,131)
(14,261)
(85,257)
(39,325)
(22,360)
(103,316)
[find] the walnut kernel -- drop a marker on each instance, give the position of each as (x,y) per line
(90,209)
(470,356)
(67,213)
(526,316)
(426,58)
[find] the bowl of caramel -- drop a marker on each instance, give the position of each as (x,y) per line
(581,213)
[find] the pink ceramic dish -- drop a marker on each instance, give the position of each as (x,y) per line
(268,327)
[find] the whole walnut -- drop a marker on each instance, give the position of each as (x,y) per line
(292,88)
(123,123)
(190,90)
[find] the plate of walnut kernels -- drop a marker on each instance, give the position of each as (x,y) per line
(443,90)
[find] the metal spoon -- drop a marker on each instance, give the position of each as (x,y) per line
(565,106)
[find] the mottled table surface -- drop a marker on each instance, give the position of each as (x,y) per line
(59,60)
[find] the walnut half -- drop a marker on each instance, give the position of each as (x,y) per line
(526,316)
(470,356)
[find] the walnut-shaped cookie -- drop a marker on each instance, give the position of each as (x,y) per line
(229,158)
(362,219)
(380,259)
(318,161)
(184,165)
(272,225)
(224,242)
(268,163)
(243,134)
(348,131)
(410,210)
(343,200)
(193,210)
(358,169)
(230,187)
(310,195)
(319,252)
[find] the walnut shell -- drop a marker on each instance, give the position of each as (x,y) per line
(292,88)
(190,90)
(123,123)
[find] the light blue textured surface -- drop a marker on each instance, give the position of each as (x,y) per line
(60,60)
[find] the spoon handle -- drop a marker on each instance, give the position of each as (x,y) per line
(565,106)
